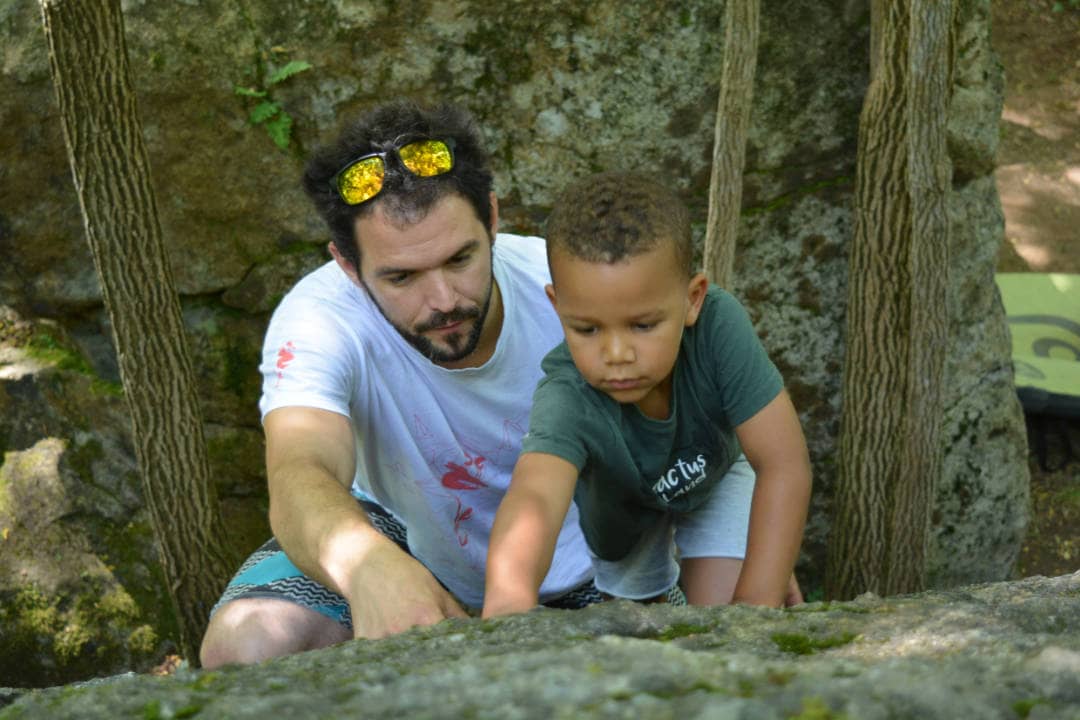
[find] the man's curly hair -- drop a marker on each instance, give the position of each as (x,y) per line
(404,197)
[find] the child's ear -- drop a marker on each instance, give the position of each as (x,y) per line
(695,296)
(549,289)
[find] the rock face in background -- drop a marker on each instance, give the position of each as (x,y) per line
(78,571)
(1005,650)
(560,91)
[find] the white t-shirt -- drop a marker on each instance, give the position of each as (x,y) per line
(435,447)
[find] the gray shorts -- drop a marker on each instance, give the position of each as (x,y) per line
(716,529)
(269,573)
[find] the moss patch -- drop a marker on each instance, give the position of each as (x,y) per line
(805,645)
(57,638)
(814,708)
(681,630)
(47,348)
(1023,708)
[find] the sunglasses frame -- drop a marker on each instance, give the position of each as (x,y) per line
(336,181)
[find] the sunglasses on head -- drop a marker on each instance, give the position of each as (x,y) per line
(362,179)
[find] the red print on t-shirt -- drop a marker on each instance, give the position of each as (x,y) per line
(463,513)
(458,476)
(284,357)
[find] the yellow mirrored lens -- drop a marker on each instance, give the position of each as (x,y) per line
(362,180)
(427,157)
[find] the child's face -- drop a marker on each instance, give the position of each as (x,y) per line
(624,321)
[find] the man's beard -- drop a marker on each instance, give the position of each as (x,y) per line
(461,345)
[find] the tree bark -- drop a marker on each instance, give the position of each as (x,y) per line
(109,163)
(741,29)
(897,318)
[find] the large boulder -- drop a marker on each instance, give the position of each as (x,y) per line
(1007,650)
(560,90)
(81,588)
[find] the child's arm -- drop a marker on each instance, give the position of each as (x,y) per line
(773,443)
(525,531)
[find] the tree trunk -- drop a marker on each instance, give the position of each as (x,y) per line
(729,144)
(88,60)
(897,317)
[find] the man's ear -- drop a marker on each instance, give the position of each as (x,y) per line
(494,216)
(549,289)
(346,267)
(695,297)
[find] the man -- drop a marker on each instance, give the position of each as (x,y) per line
(402,371)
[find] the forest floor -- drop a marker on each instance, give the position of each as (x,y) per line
(1038,178)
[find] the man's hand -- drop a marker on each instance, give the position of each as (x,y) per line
(392,592)
(310,461)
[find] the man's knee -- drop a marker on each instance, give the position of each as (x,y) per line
(251,630)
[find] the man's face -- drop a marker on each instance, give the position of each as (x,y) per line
(432,280)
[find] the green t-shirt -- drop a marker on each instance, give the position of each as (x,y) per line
(634,468)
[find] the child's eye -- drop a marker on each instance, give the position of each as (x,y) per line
(398,279)
(585,330)
(459,260)
(644,327)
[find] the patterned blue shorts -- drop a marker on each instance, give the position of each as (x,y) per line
(268,573)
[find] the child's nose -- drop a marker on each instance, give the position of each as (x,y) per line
(617,349)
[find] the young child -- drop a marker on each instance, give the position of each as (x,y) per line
(653,416)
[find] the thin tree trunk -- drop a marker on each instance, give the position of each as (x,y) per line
(88,59)
(729,144)
(897,325)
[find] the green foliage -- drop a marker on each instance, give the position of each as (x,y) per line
(1061,5)
(268,112)
(280,129)
(263,112)
(288,70)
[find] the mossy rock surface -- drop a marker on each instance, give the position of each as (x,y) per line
(81,588)
(980,651)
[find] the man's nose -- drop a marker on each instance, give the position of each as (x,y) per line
(440,293)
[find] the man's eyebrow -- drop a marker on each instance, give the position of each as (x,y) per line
(467,246)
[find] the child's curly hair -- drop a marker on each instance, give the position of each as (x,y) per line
(612,216)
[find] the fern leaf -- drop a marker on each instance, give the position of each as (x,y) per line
(280,130)
(249,92)
(292,68)
(263,112)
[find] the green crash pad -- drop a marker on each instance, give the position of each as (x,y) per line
(1043,310)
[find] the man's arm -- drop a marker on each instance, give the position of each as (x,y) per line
(773,443)
(310,463)
(525,532)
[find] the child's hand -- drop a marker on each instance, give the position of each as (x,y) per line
(525,532)
(508,603)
